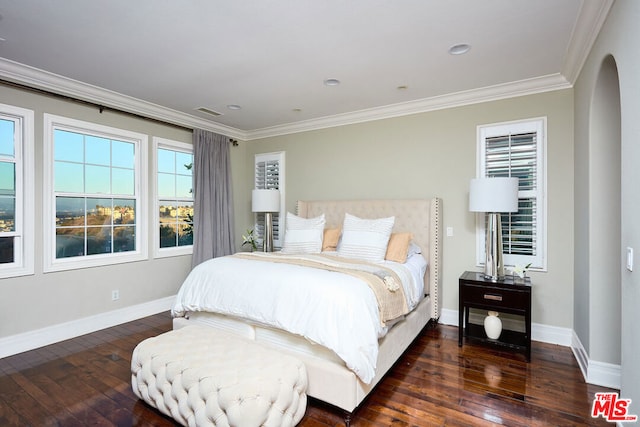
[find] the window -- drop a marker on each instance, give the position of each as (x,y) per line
(517,149)
(174,197)
(94,184)
(269,174)
(16,191)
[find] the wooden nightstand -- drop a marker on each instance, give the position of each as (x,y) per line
(503,296)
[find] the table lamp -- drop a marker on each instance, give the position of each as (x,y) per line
(267,202)
(493,196)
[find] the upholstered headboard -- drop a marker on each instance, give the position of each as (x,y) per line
(418,216)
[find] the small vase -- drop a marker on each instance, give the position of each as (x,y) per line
(493,325)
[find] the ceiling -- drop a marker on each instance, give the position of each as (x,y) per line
(167,58)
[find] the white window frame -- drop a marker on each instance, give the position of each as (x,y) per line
(140,141)
(158,252)
(538,125)
(24,159)
(279,156)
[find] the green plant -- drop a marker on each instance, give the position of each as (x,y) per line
(521,271)
(250,239)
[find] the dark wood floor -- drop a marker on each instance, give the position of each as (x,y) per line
(86,381)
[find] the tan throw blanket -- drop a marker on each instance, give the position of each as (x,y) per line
(383,281)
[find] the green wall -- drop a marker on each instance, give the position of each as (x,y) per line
(434,154)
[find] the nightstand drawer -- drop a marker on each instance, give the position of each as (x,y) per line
(495,297)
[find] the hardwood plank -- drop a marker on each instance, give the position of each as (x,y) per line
(22,404)
(86,381)
(8,416)
(48,401)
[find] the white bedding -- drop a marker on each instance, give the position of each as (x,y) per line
(333,309)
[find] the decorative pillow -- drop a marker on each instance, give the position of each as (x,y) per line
(365,239)
(331,239)
(303,235)
(398,247)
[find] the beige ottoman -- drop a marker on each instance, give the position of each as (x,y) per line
(203,377)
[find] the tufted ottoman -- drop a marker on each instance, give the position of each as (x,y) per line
(203,377)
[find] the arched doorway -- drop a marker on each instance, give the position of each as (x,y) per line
(605,252)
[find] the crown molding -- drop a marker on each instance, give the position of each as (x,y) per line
(33,77)
(458,99)
(591,18)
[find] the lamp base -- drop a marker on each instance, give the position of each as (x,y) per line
(494,262)
(267,242)
(493,278)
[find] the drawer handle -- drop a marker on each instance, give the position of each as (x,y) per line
(493,297)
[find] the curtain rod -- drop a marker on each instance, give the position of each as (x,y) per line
(100,107)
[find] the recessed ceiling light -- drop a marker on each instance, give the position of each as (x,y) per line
(296,110)
(459,49)
(234,107)
(332,82)
(402,87)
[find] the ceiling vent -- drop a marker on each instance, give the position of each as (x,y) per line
(208,111)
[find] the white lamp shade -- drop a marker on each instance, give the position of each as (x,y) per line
(265,200)
(493,195)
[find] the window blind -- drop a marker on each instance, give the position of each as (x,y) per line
(268,175)
(516,155)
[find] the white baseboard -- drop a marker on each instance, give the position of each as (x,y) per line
(18,343)
(448,317)
(580,354)
(539,332)
(604,374)
(594,372)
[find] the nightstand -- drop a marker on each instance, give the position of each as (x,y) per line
(503,296)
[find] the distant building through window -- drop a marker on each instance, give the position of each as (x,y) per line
(174,193)
(95,196)
(16,191)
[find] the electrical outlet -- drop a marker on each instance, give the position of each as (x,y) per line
(115,295)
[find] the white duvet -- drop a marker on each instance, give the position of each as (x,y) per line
(335,310)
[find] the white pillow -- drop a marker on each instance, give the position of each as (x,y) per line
(303,235)
(365,239)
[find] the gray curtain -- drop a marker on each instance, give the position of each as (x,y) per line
(213,227)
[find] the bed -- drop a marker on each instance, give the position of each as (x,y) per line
(330,380)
